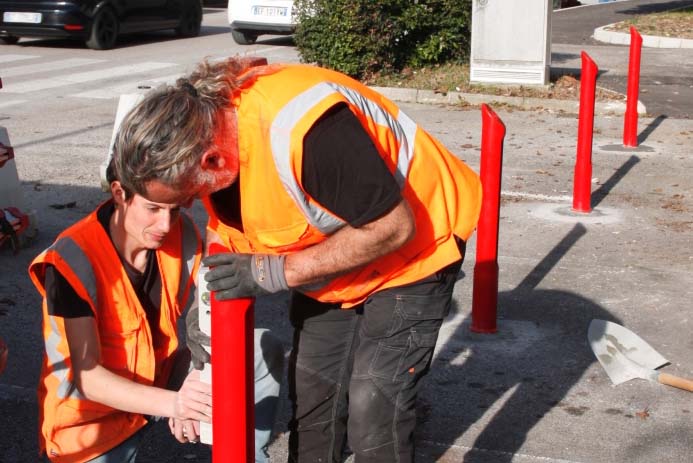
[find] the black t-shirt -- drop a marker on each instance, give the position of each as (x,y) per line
(342,170)
(63,301)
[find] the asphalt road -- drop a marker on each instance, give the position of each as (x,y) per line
(666,83)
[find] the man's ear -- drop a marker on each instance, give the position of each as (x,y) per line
(222,155)
(210,160)
(117,192)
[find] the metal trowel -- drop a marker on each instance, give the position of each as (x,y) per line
(625,355)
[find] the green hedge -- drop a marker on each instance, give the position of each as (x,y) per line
(365,37)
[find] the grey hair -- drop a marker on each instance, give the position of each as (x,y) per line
(164,137)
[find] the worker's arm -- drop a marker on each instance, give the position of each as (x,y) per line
(247,275)
(97,383)
(350,248)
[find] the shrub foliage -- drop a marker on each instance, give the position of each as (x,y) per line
(364,37)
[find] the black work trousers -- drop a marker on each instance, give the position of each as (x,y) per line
(357,372)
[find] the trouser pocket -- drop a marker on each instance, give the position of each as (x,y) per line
(403,332)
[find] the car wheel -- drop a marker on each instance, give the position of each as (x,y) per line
(243,38)
(104,30)
(190,20)
(9,39)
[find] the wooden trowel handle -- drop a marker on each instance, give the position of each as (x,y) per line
(675,381)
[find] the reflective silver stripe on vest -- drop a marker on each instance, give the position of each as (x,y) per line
(66,388)
(80,264)
(403,128)
(189,252)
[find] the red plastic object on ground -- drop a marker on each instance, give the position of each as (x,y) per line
(233,394)
(13,223)
(582,181)
(6,153)
(630,125)
(485,292)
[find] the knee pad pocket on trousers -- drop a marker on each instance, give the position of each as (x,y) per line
(371,412)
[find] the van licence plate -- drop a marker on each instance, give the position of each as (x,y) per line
(270,11)
(17,17)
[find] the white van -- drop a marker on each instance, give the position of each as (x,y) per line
(250,18)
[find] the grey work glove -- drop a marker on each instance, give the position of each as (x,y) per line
(233,276)
(195,338)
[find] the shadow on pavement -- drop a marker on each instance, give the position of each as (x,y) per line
(655,7)
(557,58)
(602,192)
(642,136)
(511,379)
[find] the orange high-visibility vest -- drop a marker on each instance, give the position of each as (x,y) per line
(72,428)
(275,111)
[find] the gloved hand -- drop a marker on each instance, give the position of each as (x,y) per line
(244,275)
(195,338)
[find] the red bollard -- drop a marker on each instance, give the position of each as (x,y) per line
(582,180)
(630,125)
(485,291)
(233,385)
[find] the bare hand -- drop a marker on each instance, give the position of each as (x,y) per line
(185,431)
(194,399)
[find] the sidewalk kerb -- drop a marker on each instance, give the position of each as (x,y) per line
(409,95)
(651,41)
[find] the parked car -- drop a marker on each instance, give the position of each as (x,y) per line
(250,18)
(97,22)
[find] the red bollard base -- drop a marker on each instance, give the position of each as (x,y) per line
(482,330)
(485,298)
